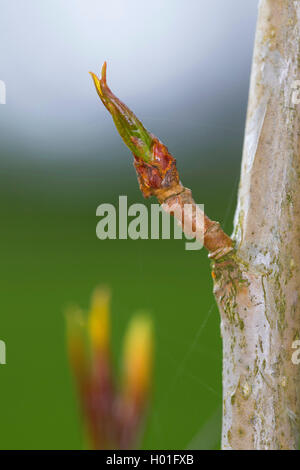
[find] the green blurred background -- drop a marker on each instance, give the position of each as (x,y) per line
(183,67)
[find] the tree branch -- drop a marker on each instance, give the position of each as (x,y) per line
(158,175)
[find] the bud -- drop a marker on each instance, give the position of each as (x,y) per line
(99,319)
(155,166)
(112,416)
(137,359)
(132,131)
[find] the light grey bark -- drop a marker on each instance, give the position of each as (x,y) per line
(258,288)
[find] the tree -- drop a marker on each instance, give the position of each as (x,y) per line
(256,271)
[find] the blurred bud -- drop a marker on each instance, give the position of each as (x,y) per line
(99,319)
(112,417)
(137,358)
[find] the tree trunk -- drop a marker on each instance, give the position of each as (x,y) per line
(257,288)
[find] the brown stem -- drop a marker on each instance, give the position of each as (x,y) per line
(160,178)
(214,239)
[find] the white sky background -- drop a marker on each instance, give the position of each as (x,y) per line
(173,62)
